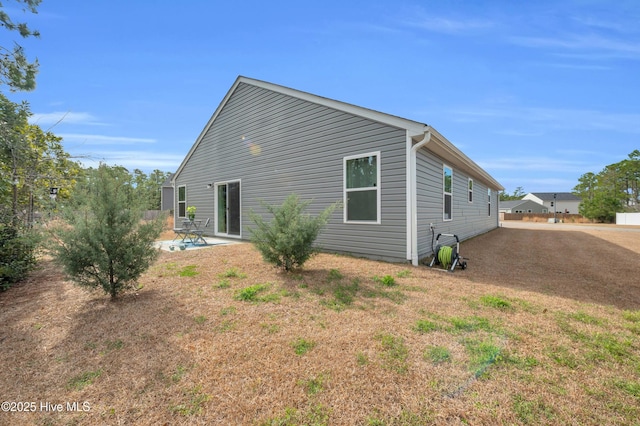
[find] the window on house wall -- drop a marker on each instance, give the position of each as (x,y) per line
(182,201)
(447,183)
(489,200)
(470,190)
(362,188)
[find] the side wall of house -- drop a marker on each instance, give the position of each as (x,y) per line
(277,144)
(468,218)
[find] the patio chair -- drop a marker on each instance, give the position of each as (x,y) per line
(198,233)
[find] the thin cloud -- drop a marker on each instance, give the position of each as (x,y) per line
(605,47)
(554,118)
(90,139)
(66,117)
(450,26)
(538,164)
(143,160)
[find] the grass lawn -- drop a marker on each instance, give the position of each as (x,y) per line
(215,336)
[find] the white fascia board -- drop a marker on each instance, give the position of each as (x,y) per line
(461,160)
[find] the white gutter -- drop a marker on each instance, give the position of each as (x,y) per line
(412,190)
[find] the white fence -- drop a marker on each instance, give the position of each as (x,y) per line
(627,218)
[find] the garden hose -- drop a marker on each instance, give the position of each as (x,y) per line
(444,256)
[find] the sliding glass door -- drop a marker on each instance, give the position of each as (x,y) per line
(228,208)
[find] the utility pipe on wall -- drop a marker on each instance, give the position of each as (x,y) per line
(414,194)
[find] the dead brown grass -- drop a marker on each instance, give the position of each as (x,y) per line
(185,350)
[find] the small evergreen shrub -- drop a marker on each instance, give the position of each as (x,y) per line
(287,241)
(105,244)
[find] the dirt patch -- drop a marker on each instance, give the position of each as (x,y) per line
(577,262)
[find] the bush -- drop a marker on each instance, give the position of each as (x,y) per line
(105,244)
(17,254)
(287,241)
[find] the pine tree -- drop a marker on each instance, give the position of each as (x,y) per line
(105,244)
(287,241)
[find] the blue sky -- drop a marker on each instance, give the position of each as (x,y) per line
(537,93)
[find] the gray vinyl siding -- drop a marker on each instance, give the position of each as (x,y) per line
(302,146)
(469,219)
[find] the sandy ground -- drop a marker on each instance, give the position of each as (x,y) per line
(589,263)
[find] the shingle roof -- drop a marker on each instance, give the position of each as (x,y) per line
(560,196)
(509,204)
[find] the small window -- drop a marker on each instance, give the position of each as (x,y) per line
(470,190)
(447,183)
(489,200)
(362,188)
(182,201)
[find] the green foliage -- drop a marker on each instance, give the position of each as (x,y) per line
(302,346)
(17,253)
(531,412)
(200,319)
(517,194)
(438,354)
(334,275)
(495,302)
(630,387)
(15,69)
(314,385)
(250,294)
(194,401)
(615,189)
(482,353)
(395,353)
(362,359)
(104,243)
(387,280)
(425,326)
(149,188)
(189,271)
(31,161)
(233,273)
(80,381)
(287,241)
(472,323)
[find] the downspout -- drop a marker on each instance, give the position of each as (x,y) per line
(414,195)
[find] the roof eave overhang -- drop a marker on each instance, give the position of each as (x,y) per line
(444,149)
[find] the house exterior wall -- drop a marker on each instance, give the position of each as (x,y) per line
(529,206)
(562,204)
(468,218)
(166,198)
(277,144)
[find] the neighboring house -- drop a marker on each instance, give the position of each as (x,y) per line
(166,195)
(393,176)
(522,206)
(565,202)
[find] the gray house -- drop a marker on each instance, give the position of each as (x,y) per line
(522,206)
(394,176)
(562,202)
(166,195)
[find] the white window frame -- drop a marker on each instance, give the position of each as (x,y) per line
(182,202)
(470,187)
(489,200)
(444,194)
(346,190)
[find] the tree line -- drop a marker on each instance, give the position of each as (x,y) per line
(615,189)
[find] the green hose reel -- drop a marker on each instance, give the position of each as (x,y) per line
(448,256)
